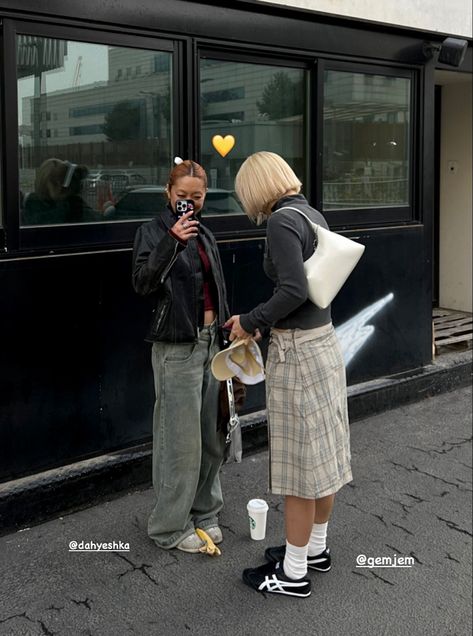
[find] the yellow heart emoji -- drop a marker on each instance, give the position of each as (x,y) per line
(223,145)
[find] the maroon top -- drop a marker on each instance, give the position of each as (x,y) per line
(209,285)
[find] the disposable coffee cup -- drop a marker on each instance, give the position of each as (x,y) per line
(257,513)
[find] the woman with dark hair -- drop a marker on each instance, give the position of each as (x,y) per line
(176,261)
(57,195)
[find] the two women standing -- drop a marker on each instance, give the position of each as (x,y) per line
(177,261)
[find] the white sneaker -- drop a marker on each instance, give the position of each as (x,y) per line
(215,534)
(192,543)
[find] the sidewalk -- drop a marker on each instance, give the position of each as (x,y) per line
(411,496)
(59,491)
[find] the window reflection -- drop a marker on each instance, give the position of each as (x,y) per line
(262,106)
(366,140)
(104,110)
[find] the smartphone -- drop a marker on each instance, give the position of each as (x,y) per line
(183,206)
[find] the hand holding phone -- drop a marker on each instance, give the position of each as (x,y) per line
(186,226)
(183,206)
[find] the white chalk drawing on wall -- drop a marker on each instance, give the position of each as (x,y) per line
(354,333)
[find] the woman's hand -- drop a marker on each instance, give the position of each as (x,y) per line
(237,330)
(186,228)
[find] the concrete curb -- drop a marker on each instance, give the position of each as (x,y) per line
(32,500)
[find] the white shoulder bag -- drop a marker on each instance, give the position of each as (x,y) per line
(330,265)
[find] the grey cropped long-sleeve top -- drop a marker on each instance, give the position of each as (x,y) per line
(289,242)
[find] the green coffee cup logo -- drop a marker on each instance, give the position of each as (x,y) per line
(252,523)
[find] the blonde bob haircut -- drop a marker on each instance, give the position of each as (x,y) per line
(262,180)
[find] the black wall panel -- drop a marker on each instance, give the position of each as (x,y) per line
(75,372)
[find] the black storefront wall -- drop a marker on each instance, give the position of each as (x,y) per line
(75,374)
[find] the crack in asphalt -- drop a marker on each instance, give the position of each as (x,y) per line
(396,525)
(9,618)
(44,628)
(140,568)
(418,499)
(377,576)
(366,512)
(415,557)
(46,631)
(454,526)
(396,550)
(443,451)
(405,507)
(414,469)
(227,528)
(86,603)
(360,574)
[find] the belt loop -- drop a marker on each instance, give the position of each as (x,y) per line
(280,345)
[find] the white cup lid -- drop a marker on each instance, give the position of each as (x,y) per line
(257,505)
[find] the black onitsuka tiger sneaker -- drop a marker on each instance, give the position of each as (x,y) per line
(322,562)
(271,578)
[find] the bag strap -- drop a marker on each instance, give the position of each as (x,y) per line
(313,225)
(234,420)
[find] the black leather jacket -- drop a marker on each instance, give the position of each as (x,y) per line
(172,272)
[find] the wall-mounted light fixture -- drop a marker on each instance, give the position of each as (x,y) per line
(451,52)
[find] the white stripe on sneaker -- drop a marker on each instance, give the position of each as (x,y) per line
(273,584)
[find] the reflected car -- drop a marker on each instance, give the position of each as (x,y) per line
(102,185)
(147,201)
(119,178)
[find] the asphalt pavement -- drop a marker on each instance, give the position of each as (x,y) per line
(409,505)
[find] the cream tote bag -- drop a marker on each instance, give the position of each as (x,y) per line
(330,265)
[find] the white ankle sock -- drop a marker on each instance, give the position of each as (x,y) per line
(318,539)
(295,561)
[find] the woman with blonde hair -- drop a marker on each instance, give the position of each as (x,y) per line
(306,395)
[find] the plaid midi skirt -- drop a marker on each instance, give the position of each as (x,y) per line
(306,399)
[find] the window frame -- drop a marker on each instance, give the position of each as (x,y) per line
(187,53)
(348,218)
(240,226)
(63,238)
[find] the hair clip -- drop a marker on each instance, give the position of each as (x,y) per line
(70,171)
(178,160)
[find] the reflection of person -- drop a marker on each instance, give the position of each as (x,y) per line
(305,380)
(57,198)
(176,260)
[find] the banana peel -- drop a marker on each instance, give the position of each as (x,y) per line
(209,548)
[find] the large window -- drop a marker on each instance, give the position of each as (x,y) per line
(254,107)
(94,125)
(367,140)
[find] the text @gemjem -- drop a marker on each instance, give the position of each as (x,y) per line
(395,561)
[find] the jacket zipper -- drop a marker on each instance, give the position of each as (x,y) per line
(216,271)
(160,318)
(195,293)
(171,263)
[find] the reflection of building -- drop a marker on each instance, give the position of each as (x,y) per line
(78,114)
(230,93)
(366,139)
(120,121)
